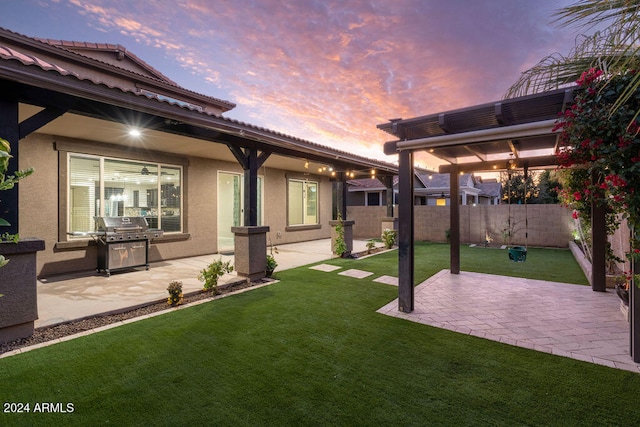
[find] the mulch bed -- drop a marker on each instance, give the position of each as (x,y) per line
(50,333)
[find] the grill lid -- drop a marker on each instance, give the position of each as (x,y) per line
(121,223)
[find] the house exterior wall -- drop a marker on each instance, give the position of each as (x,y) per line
(549,225)
(356,198)
(43,205)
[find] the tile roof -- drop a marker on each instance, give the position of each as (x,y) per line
(490,189)
(77,46)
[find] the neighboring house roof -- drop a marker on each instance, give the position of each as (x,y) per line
(490,189)
(177,105)
(441,180)
(366,184)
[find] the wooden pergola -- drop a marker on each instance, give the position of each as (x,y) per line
(513,133)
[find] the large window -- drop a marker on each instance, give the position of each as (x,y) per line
(101,186)
(302,202)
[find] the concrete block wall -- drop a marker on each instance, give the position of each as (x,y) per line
(368,221)
(548,225)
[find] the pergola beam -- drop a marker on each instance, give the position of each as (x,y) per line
(539,162)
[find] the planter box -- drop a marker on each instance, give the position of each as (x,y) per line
(18,283)
(250,251)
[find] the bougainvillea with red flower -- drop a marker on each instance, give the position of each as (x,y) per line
(601,146)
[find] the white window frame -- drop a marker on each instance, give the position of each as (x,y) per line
(305,183)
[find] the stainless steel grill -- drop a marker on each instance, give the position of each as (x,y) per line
(123,242)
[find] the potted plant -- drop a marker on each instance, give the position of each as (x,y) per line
(271,265)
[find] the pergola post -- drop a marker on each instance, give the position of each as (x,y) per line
(634,312)
(405,233)
(454,215)
(9,130)
(599,245)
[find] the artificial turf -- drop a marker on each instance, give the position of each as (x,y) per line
(311,350)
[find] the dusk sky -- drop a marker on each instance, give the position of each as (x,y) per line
(325,71)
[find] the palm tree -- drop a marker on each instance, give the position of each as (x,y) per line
(614,49)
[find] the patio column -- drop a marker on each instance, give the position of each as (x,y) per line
(405,233)
(599,248)
(388,221)
(9,130)
(388,183)
(250,241)
(454,223)
(341,195)
(634,312)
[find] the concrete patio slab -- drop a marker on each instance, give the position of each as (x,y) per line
(557,318)
(67,297)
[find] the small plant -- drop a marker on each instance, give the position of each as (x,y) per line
(7,183)
(371,245)
(271,260)
(389,238)
(175,293)
(213,272)
(271,264)
(447,235)
(340,246)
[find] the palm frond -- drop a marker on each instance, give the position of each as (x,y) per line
(612,50)
(588,13)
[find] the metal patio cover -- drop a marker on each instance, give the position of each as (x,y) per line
(484,137)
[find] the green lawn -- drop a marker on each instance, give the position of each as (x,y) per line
(311,350)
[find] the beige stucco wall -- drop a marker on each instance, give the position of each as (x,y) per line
(275,208)
(40,205)
(549,225)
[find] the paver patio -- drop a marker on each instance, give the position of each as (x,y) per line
(562,319)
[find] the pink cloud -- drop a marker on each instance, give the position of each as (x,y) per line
(331,71)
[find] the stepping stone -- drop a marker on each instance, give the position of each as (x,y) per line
(387,280)
(473,245)
(503,247)
(325,267)
(358,274)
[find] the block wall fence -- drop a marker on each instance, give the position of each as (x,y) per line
(549,225)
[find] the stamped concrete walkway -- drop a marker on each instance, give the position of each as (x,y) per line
(561,319)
